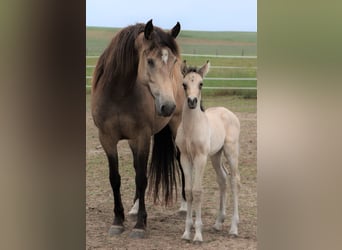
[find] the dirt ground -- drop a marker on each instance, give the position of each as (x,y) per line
(164,225)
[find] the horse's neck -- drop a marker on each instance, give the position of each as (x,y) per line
(192,118)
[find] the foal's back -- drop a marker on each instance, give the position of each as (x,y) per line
(224,128)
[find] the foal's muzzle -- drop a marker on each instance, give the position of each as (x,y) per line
(192,102)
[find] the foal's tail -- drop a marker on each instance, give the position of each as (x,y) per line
(163,168)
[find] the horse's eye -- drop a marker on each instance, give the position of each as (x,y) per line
(150,62)
(184,86)
(200,86)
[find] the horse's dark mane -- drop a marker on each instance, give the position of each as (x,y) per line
(118,64)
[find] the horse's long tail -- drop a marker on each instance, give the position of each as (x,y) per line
(163,169)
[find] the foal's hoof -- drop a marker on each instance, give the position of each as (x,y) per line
(186,237)
(233,235)
(198,242)
(138,233)
(217,227)
(115,230)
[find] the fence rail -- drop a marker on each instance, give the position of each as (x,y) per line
(218,88)
(216,79)
(199,55)
(212,78)
(212,67)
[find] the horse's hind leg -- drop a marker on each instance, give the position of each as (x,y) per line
(115,182)
(231,151)
(221,178)
(140,148)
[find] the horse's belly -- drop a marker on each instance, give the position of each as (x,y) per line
(217,137)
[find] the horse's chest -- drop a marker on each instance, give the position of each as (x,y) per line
(193,145)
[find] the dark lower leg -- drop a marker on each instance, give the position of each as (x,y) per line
(115,181)
(140,149)
(141,182)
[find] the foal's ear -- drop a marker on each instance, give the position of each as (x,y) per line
(148,30)
(204,69)
(175,30)
(184,68)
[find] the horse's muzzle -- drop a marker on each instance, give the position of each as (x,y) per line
(167,109)
(192,103)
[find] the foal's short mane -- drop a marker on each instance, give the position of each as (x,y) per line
(190,69)
(118,64)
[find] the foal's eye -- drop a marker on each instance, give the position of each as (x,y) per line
(150,62)
(200,85)
(184,86)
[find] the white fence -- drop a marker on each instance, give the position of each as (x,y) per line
(217,67)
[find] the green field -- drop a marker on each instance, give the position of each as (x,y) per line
(199,43)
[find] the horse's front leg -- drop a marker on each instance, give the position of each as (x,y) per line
(115,181)
(187,168)
(199,166)
(140,148)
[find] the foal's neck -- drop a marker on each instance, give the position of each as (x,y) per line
(192,117)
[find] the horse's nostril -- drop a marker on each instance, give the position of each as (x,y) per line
(168,109)
(192,102)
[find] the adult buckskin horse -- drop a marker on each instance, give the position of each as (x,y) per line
(137,93)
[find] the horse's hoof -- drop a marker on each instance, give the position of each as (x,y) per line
(217,227)
(198,242)
(186,240)
(115,230)
(138,234)
(233,235)
(233,232)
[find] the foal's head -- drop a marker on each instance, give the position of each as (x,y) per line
(159,66)
(193,82)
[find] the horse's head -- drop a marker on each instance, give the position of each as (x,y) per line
(159,67)
(193,82)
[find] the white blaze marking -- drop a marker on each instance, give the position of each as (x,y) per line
(165,55)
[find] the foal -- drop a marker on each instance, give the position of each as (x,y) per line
(202,133)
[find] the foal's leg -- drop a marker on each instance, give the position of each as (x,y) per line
(187,169)
(199,166)
(231,151)
(221,178)
(140,148)
(109,146)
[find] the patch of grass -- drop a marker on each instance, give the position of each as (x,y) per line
(234,103)
(247,37)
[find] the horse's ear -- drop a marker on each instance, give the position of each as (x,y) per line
(204,69)
(175,30)
(148,30)
(184,68)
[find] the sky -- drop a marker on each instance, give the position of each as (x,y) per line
(206,15)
